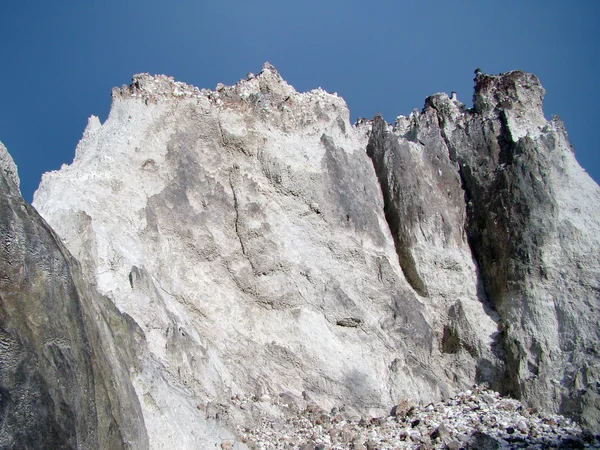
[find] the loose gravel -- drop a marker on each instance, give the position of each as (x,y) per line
(475,419)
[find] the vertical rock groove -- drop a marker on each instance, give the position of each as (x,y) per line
(377,148)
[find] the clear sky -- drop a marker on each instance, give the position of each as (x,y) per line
(59,60)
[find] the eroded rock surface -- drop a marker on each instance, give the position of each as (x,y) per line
(243,230)
(268,249)
(504,180)
(64,350)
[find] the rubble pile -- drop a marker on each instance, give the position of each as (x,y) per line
(474,419)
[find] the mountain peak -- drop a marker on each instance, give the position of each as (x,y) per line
(517,92)
(263,253)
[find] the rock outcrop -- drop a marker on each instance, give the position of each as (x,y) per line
(501,184)
(65,351)
(243,230)
(246,252)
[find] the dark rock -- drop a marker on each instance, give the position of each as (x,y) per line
(350,322)
(441,432)
(572,444)
(372,445)
(505,177)
(483,441)
(64,350)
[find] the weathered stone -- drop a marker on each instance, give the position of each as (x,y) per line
(246,244)
(484,441)
(441,432)
(503,190)
(372,445)
(522,426)
(238,228)
(453,445)
(65,351)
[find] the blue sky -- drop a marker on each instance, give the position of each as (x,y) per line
(61,59)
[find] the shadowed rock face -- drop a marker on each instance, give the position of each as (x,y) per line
(507,180)
(64,380)
(250,244)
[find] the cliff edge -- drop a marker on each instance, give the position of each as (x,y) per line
(272,256)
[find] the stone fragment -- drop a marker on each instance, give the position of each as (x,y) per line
(441,432)
(372,445)
(453,445)
(484,441)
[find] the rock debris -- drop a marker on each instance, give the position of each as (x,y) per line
(474,419)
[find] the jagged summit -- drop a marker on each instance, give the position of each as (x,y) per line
(160,87)
(155,87)
(515,97)
(265,96)
(262,256)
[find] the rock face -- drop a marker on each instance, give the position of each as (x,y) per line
(501,184)
(272,254)
(243,230)
(64,350)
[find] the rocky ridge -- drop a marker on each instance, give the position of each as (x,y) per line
(528,222)
(254,233)
(263,248)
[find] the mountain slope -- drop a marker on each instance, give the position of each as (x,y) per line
(530,217)
(267,249)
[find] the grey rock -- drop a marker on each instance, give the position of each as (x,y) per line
(441,432)
(350,322)
(307,446)
(65,351)
(503,188)
(372,445)
(483,441)
(257,228)
(240,242)
(426,212)
(9,169)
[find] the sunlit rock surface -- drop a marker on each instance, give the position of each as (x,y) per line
(505,180)
(267,249)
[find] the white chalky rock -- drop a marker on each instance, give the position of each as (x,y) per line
(262,251)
